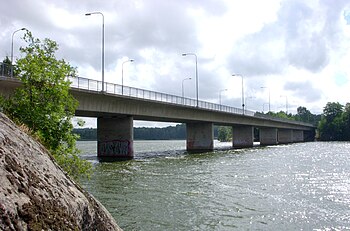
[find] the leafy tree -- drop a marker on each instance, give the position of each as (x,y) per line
(332,110)
(224,133)
(346,122)
(44,104)
(334,124)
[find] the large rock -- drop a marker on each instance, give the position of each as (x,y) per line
(35,194)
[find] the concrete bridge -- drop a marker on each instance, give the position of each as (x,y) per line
(117,108)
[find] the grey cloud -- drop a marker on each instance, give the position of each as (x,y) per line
(152,24)
(303,90)
(299,37)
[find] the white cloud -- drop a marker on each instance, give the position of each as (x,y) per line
(296,48)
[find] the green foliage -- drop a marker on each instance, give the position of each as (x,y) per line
(44,104)
(177,132)
(335,122)
(5,68)
(224,134)
(305,115)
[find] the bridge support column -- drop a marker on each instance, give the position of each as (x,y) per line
(309,135)
(298,136)
(242,136)
(115,137)
(200,137)
(268,136)
(285,136)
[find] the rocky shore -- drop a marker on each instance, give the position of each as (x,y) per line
(35,194)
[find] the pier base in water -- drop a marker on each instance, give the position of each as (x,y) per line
(200,137)
(115,137)
(268,136)
(242,136)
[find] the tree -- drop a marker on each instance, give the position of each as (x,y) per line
(224,134)
(346,122)
(44,103)
(332,125)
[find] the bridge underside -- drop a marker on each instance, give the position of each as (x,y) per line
(116,113)
(115,136)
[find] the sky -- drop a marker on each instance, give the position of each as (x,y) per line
(296,51)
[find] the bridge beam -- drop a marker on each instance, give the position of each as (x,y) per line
(285,136)
(298,136)
(200,137)
(242,136)
(268,136)
(115,137)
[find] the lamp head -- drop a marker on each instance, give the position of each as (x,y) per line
(87,14)
(184,54)
(131,60)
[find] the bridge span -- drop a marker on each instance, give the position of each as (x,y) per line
(118,106)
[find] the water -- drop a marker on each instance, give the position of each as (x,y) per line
(304,186)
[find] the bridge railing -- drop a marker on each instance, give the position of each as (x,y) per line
(5,69)
(111,88)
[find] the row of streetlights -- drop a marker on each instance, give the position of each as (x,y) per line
(131,60)
(184,54)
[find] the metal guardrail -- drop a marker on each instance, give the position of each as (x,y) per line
(5,69)
(116,89)
(111,88)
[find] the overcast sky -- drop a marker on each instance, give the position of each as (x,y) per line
(297,49)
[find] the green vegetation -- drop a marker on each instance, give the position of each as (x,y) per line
(44,104)
(224,133)
(177,132)
(332,125)
(303,115)
(335,122)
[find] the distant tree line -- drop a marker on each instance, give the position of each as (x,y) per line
(177,132)
(332,125)
(303,115)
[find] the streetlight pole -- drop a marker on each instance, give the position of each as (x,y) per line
(183,91)
(264,107)
(269,97)
(12,49)
(286,103)
(130,60)
(242,91)
(220,95)
(103,46)
(246,100)
(185,54)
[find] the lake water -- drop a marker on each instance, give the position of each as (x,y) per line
(304,186)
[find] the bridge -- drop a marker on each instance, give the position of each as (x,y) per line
(118,106)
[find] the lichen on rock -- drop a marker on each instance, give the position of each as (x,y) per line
(35,194)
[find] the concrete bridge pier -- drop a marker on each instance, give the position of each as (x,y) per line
(298,136)
(285,136)
(115,137)
(268,136)
(242,136)
(309,136)
(200,137)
